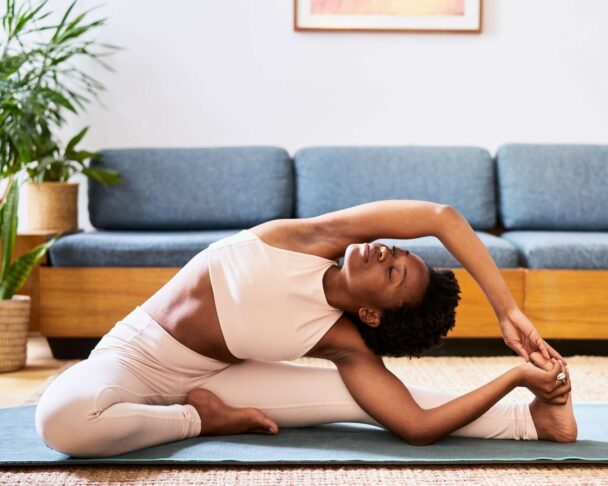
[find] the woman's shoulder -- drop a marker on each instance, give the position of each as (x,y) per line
(303,235)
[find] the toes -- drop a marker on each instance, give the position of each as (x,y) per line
(263,422)
(263,430)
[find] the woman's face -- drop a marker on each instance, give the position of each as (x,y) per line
(381,277)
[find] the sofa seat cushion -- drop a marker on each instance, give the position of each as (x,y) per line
(561,249)
(132,248)
(435,254)
(176,248)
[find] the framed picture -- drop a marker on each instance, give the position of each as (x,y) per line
(388,15)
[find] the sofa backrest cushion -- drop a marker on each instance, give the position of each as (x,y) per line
(333,178)
(193,188)
(553,186)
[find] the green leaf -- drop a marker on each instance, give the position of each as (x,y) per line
(81,155)
(77,138)
(65,16)
(103,175)
(77,32)
(23,20)
(11,64)
(9,226)
(21,269)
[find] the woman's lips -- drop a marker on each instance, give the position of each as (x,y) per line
(366,252)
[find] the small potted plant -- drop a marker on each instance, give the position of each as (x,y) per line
(14,308)
(52,199)
(36,86)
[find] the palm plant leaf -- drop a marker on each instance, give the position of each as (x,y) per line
(35,91)
(21,268)
(103,175)
(9,226)
(74,141)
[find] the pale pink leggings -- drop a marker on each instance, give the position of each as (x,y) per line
(130,393)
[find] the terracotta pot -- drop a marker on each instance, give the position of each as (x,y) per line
(52,206)
(14,325)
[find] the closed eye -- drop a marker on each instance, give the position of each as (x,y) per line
(390,269)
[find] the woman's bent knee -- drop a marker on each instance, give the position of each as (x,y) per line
(66,427)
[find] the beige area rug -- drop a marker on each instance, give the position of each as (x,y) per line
(589,375)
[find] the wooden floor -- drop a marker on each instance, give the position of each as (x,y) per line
(18,386)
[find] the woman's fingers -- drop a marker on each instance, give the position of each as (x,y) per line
(559,400)
(542,348)
(551,381)
(556,368)
(561,391)
(518,348)
(537,359)
(554,353)
(559,387)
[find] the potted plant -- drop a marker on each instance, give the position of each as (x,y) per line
(34,91)
(52,199)
(14,308)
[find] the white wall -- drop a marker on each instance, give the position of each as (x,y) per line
(233,72)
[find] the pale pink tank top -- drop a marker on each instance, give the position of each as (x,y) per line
(270,301)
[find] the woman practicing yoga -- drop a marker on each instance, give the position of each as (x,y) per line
(208,353)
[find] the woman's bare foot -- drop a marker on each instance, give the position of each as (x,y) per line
(218,418)
(553,422)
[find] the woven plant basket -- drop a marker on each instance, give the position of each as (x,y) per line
(14,324)
(52,206)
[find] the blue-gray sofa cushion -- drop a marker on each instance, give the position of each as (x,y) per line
(193,188)
(561,249)
(176,248)
(553,186)
(333,178)
(131,248)
(436,255)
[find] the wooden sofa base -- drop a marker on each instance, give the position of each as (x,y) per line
(565,304)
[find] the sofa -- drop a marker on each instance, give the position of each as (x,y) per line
(541,210)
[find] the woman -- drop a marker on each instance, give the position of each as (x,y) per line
(207,354)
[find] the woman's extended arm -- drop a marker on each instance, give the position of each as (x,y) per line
(461,241)
(384,397)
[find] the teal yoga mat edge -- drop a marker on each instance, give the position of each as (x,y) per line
(320,441)
(354,462)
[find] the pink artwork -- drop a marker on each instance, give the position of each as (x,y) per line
(390,15)
(387,7)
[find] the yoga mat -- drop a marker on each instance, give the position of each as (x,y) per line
(337,443)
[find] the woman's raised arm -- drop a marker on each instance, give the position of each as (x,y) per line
(391,218)
(461,241)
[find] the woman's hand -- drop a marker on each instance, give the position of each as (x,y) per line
(544,383)
(523,338)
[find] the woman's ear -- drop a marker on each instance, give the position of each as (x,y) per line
(370,317)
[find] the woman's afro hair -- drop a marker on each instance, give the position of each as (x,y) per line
(414,328)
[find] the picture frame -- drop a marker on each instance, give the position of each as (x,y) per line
(440,16)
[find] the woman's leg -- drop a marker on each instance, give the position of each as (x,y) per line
(102,407)
(296,395)
(129,394)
